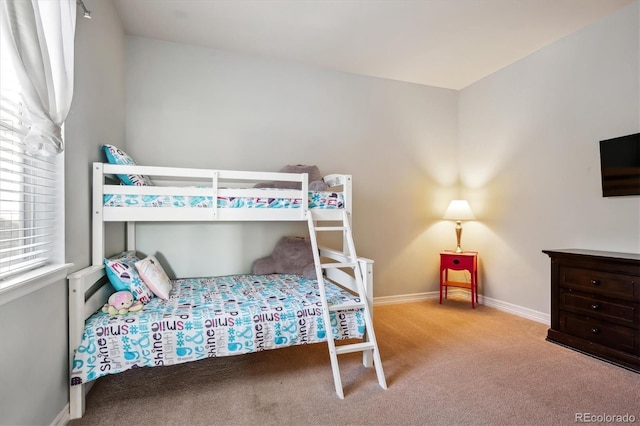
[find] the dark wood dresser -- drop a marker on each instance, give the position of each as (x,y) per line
(595,304)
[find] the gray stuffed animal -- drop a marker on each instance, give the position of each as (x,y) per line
(292,255)
(315,178)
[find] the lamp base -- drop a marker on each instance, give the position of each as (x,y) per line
(458,235)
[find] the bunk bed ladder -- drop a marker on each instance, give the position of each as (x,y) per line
(369,343)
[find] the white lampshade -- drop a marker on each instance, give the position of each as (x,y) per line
(459,210)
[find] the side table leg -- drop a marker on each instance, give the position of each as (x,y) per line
(473,295)
(441,286)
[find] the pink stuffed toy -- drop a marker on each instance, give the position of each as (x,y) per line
(120,303)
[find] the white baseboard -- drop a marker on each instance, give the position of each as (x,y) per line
(405,298)
(487,301)
(517,310)
(62,418)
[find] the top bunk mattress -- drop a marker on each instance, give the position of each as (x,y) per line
(317,200)
(213,317)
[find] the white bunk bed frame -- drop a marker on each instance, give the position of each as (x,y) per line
(216,181)
(88,289)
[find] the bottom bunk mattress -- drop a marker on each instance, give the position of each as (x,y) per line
(212,317)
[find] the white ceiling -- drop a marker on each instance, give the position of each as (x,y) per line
(445,43)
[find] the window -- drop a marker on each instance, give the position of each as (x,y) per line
(29,203)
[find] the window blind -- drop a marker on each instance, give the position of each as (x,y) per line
(28,212)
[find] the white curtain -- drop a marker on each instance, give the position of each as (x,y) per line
(40,40)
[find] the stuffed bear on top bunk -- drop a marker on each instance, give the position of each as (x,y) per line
(315,178)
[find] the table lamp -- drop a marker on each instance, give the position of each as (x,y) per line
(459,210)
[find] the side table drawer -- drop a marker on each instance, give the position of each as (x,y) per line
(457,262)
(620,312)
(599,332)
(598,282)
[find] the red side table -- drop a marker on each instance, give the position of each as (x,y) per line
(465,261)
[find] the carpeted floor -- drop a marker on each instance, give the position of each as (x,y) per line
(445,364)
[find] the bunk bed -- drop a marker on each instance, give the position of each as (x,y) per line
(218,316)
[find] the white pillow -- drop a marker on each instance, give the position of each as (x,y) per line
(154,276)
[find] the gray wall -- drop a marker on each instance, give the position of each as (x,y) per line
(33,359)
(97,117)
(33,329)
(529,156)
(196,107)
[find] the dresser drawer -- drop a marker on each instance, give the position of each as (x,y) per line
(619,286)
(620,312)
(614,336)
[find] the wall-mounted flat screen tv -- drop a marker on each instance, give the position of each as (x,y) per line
(620,165)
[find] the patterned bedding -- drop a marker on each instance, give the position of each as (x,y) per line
(317,200)
(212,317)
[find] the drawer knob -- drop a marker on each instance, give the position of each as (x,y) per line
(595,330)
(595,282)
(595,306)
(456,261)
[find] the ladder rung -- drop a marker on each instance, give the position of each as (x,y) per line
(330,228)
(346,306)
(338,265)
(354,347)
